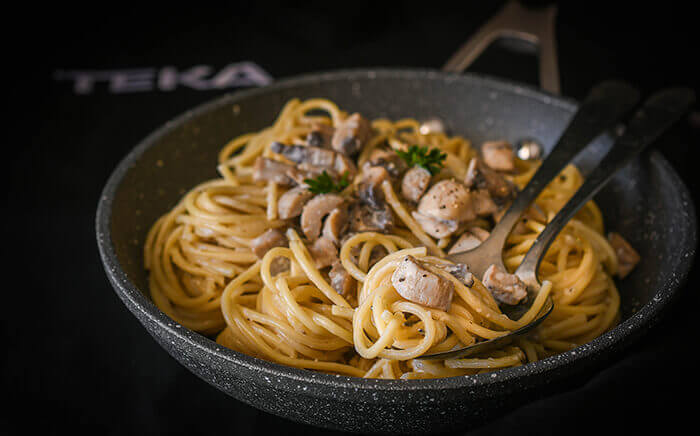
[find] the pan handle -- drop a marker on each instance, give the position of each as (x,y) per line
(535,26)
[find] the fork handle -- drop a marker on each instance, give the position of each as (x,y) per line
(658,113)
(607,103)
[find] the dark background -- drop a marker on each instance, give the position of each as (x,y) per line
(75,357)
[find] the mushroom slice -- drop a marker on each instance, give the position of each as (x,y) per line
(460,271)
(498,155)
(365,218)
(435,227)
(268,170)
(483,203)
(315,159)
(505,287)
(369,188)
(335,225)
(314,156)
(479,176)
(313,212)
(448,200)
(351,135)
(267,241)
(415,182)
(291,203)
(320,136)
(467,241)
(389,160)
(341,280)
(627,256)
(324,252)
(416,283)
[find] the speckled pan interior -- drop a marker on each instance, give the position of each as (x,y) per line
(646,202)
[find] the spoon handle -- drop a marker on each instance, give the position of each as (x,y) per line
(604,106)
(658,113)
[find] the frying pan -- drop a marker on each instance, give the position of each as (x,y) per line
(647,202)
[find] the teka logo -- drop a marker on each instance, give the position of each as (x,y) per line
(168,78)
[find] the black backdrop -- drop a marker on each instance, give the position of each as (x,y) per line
(74,355)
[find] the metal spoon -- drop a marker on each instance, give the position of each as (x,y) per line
(657,114)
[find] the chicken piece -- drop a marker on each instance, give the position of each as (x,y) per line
(479,176)
(416,283)
(627,256)
(267,241)
(435,227)
(389,160)
(351,135)
(320,136)
(448,200)
(498,155)
(335,225)
(313,212)
(341,280)
(324,252)
(415,182)
(369,188)
(291,203)
(268,170)
(505,287)
(365,218)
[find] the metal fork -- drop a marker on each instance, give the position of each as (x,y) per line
(657,114)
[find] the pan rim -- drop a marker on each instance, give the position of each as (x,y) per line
(319,383)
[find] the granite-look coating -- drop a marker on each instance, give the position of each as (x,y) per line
(646,202)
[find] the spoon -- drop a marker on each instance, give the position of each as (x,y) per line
(658,113)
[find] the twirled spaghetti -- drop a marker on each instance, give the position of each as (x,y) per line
(204,274)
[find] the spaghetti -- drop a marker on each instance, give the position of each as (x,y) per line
(282,307)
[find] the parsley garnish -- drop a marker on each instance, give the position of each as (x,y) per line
(431,159)
(324,183)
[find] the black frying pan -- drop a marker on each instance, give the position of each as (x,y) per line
(647,202)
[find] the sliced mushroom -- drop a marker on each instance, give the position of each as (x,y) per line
(316,160)
(341,280)
(320,136)
(291,203)
(377,254)
(389,160)
(479,176)
(448,200)
(351,135)
(415,182)
(483,203)
(505,287)
(369,188)
(365,218)
(315,156)
(268,170)
(335,225)
(627,256)
(313,212)
(416,283)
(467,241)
(324,252)
(498,155)
(460,271)
(435,227)
(267,241)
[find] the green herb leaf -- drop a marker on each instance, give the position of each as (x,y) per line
(430,159)
(324,183)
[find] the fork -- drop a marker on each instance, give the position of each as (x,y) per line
(658,113)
